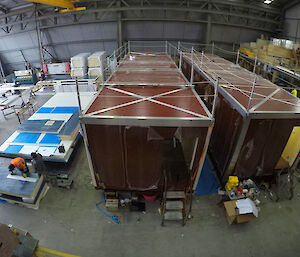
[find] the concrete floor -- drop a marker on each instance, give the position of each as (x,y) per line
(68,221)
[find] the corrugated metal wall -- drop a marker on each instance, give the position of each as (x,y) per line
(292,24)
(225,37)
(65,41)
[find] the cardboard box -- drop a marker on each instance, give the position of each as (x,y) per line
(279,51)
(233,216)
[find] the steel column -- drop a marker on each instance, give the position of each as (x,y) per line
(78,95)
(166,47)
(208,26)
(296,32)
(192,68)
(180,60)
(255,63)
(128,46)
(216,85)
(39,37)
(89,157)
(251,95)
(119,25)
(1,70)
(237,57)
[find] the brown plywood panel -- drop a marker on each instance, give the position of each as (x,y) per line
(185,100)
(231,76)
(132,158)
(189,135)
(109,98)
(147,77)
(265,139)
(177,103)
(106,148)
(282,101)
(236,76)
(213,66)
(147,65)
(228,124)
(214,58)
(146,109)
(149,57)
(148,91)
(262,147)
(243,98)
(144,159)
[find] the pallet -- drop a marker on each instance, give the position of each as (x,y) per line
(34,206)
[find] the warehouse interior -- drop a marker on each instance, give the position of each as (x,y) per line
(169,128)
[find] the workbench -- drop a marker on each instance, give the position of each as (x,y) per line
(10,100)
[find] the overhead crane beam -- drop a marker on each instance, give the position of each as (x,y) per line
(59,3)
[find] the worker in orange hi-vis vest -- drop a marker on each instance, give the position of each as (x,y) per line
(18,163)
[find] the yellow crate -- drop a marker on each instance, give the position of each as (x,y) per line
(233,181)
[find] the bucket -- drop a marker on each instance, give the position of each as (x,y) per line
(149,198)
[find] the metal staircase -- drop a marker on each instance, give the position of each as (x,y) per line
(173,204)
(177,185)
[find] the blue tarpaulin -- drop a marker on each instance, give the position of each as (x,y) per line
(45,110)
(50,139)
(68,109)
(14,149)
(59,109)
(207,183)
(27,138)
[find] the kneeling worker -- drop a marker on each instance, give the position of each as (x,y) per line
(20,164)
(38,163)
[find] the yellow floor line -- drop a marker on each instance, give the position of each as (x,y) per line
(45,250)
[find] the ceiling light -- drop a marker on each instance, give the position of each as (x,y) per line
(268,1)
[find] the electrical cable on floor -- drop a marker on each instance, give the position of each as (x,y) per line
(113,218)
